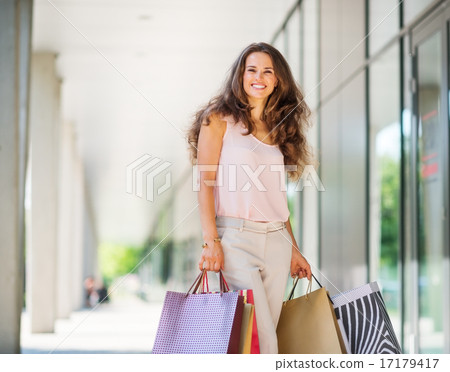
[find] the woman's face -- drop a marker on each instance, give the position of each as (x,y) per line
(259,78)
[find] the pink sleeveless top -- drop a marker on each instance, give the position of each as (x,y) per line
(250,179)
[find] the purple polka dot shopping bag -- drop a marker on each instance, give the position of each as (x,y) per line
(200,322)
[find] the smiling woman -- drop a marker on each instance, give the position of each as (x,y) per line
(261,93)
(259,78)
(243,139)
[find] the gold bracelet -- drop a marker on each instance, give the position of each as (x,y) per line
(216,240)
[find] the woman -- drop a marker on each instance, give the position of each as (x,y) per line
(241,142)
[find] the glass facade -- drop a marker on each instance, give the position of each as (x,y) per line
(430,194)
(293,43)
(380,87)
(292,47)
(412,8)
(384,176)
(289,42)
(383,23)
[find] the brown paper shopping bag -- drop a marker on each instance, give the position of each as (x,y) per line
(308,325)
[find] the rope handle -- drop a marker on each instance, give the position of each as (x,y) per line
(308,289)
(202,279)
(223,283)
(196,284)
(205,280)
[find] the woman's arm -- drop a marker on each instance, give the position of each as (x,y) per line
(299,266)
(209,148)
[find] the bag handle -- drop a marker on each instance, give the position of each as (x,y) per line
(205,280)
(223,283)
(202,279)
(196,283)
(308,289)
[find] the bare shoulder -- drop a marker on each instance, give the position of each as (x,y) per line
(210,140)
(217,124)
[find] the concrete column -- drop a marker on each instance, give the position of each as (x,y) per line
(15,46)
(44,122)
(77,243)
(77,291)
(66,218)
(90,257)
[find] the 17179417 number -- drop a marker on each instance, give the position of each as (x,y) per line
(409,363)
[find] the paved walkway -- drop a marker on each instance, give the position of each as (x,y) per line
(126,325)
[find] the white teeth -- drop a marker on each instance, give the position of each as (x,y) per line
(258,86)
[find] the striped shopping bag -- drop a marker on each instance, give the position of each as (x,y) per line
(364,321)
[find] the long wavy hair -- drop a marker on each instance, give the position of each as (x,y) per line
(285,114)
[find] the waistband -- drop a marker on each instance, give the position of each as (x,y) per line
(243,224)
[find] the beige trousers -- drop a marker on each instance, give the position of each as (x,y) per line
(258,257)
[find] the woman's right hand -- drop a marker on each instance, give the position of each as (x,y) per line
(210,140)
(212,258)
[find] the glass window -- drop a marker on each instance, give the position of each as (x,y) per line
(430,189)
(310,51)
(385,157)
(331,261)
(409,272)
(383,22)
(293,57)
(352,31)
(353,181)
(293,44)
(341,47)
(280,42)
(330,46)
(412,8)
(342,167)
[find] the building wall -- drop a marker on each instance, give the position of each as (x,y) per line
(357,70)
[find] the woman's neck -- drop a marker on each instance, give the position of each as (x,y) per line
(258,108)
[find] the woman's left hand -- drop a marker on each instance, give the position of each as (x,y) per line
(299,266)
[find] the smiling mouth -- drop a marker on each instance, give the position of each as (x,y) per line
(258,86)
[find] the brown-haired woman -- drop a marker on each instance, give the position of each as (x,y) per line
(241,142)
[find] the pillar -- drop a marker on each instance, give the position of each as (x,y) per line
(77,290)
(15,46)
(66,219)
(44,122)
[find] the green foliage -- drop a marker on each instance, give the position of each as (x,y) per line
(116,260)
(292,199)
(390,211)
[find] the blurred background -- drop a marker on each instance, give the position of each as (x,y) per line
(96,189)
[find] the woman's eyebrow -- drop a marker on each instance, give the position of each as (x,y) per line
(267,68)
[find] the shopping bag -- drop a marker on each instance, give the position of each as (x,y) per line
(254,341)
(246,329)
(200,322)
(308,324)
(364,321)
